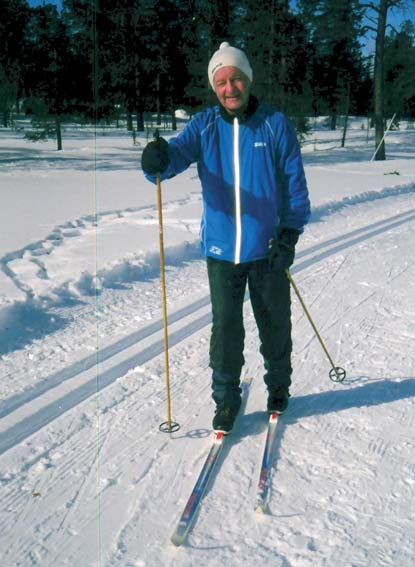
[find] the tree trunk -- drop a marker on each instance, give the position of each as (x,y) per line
(95,61)
(346,117)
(173,120)
(58,133)
(158,104)
(271,55)
(140,121)
(129,121)
(379,94)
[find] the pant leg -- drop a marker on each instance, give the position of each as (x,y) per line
(227,283)
(271,303)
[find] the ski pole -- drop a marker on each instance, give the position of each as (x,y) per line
(167,426)
(383,137)
(337,373)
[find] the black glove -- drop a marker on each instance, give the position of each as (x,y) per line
(155,158)
(282,249)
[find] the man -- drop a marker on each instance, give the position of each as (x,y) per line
(255,205)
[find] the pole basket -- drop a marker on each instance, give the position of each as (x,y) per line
(337,374)
(169,426)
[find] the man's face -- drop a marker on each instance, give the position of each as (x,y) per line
(232,87)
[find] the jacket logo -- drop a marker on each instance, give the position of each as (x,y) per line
(216,250)
(260,145)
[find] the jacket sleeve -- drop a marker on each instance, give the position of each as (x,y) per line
(184,150)
(295,211)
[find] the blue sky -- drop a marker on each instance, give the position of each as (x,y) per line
(40,2)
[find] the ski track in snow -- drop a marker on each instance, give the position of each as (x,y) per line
(135,350)
(100,478)
(146,462)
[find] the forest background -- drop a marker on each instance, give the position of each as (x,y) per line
(123,61)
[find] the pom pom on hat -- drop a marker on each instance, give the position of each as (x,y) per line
(228,56)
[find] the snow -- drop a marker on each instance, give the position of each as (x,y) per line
(87,478)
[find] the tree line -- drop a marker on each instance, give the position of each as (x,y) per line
(97,60)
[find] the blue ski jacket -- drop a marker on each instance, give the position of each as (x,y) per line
(252,179)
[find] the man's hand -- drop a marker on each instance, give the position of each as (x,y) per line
(282,249)
(155,158)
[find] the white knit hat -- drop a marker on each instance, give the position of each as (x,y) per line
(228,56)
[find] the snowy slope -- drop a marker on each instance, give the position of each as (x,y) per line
(86,477)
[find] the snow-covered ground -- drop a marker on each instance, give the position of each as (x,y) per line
(87,479)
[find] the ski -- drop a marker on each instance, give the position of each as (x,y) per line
(264,483)
(189,512)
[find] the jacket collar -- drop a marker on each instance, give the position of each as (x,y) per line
(243,116)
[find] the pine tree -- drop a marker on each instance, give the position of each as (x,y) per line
(380,9)
(82,19)
(205,25)
(46,73)
(334,28)
(14,17)
(194,55)
(275,42)
(400,71)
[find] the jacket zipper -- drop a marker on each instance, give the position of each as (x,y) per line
(237,190)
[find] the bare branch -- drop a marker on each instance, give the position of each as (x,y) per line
(373,20)
(368,28)
(371,6)
(390,26)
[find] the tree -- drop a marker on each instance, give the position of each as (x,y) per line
(275,42)
(47,73)
(205,25)
(194,48)
(400,71)
(334,28)
(167,74)
(379,27)
(13,23)
(78,18)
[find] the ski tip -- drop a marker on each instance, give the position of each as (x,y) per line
(261,508)
(176,540)
(178,537)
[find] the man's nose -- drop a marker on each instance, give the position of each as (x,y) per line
(230,87)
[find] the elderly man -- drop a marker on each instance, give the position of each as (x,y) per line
(255,205)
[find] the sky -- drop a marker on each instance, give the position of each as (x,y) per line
(35,3)
(40,2)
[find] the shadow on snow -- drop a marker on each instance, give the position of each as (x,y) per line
(375,393)
(23,323)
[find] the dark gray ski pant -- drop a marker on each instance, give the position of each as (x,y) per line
(271,303)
